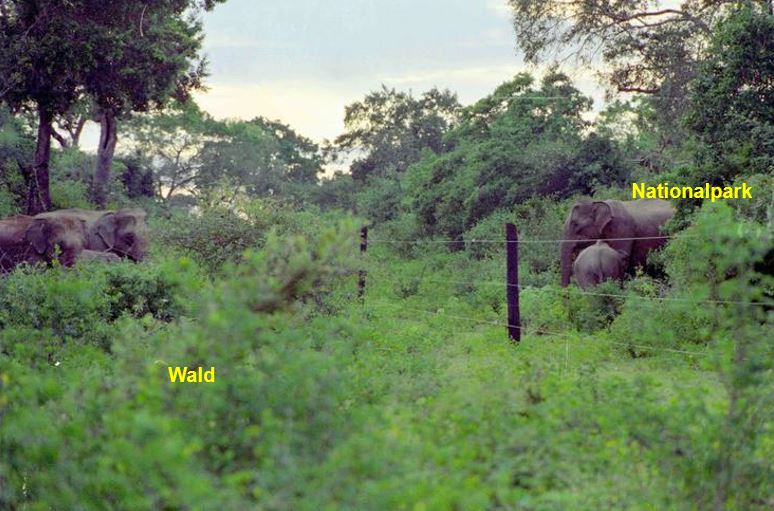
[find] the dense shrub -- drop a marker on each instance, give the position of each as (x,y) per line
(81,302)
(710,263)
(212,236)
(216,235)
(544,310)
(536,220)
(596,308)
(131,437)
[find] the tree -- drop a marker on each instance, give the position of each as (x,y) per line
(149,52)
(260,157)
(638,45)
(173,140)
(126,55)
(388,130)
(519,142)
(41,58)
(732,103)
(68,127)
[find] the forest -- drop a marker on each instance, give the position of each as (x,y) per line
(645,385)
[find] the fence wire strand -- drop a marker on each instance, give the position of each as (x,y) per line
(538,330)
(655,299)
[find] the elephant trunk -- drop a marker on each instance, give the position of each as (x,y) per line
(568,248)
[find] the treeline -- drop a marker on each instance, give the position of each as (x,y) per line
(439,166)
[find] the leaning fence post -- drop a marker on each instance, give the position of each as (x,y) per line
(512,282)
(361,275)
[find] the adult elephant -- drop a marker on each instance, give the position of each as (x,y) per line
(14,247)
(122,232)
(619,223)
(27,239)
(598,263)
(51,237)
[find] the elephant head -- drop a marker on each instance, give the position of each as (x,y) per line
(45,235)
(597,263)
(590,221)
(122,232)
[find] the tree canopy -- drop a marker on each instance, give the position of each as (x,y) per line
(388,130)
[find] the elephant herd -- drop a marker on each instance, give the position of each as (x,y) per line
(70,235)
(608,239)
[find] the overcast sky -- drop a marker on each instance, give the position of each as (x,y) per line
(301,61)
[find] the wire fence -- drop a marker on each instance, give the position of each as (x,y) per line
(540,331)
(528,241)
(650,300)
(591,293)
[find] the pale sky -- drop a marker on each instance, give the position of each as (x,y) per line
(302,61)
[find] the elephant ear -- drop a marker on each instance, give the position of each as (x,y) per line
(37,236)
(106,229)
(603,215)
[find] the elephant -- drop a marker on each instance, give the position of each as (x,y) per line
(597,263)
(93,255)
(616,222)
(121,232)
(14,247)
(46,235)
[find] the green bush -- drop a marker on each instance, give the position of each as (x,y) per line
(537,219)
(596,308)
(544,310)
(212,236)
(217,235)
(132,438)
(81,302)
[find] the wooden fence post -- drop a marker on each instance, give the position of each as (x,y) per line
(512,282)
(361,275)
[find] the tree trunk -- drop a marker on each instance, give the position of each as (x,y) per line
(105,151)
(75,133)
(38,195)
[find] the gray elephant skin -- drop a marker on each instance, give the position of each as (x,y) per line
(14,246)
(122,232)
(598,263)
(71,235)
(616,222)
(26,239)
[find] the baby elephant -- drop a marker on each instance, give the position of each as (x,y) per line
(597,263)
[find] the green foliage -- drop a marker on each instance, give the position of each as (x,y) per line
(260,157)
(536,219)
(594,309)
(83,302)
(545,310)
(146,443)
(732,98)
(518,143)
(216,235)
(393,128)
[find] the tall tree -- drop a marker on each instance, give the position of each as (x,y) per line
(150,53)
(260,157)
(520,142)
(643,46)
(127,55)
(173,140)
(388,130)
(732,110)
(41,58)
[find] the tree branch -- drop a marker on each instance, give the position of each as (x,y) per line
(59,138)
(687,16)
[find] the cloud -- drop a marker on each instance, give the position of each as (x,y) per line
(475,73)
(313,110)
(499,7)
